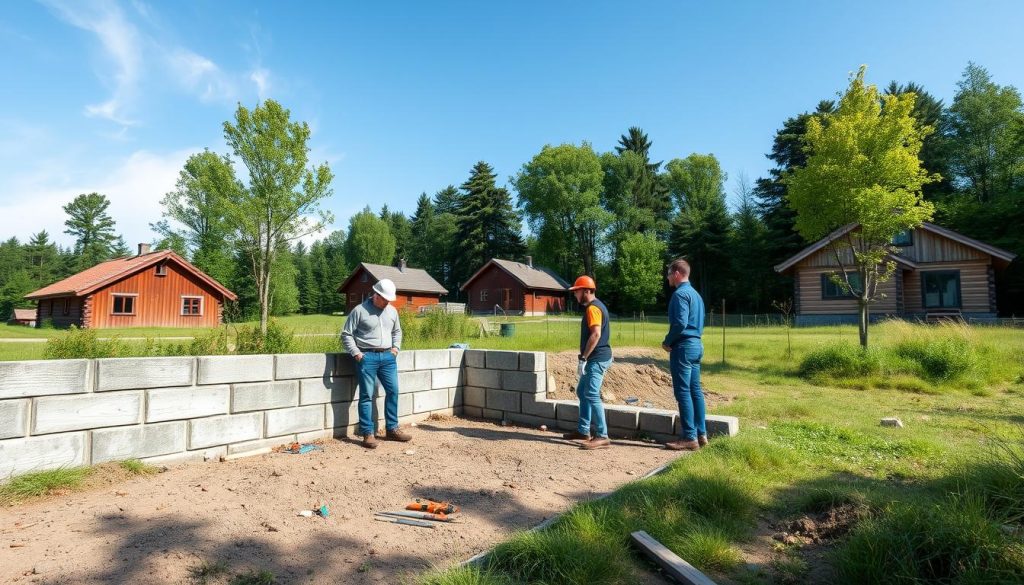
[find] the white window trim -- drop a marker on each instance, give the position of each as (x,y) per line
(483,295)
(181,306)
(161,269)
(135,308)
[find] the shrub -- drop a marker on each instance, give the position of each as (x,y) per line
(840,360)
(83,343)
(942,359)
(251,340)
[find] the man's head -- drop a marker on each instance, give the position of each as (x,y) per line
(584,289)
(678,272)
(383,293)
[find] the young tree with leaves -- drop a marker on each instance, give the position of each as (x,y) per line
(641,260)
(862,168)
(283,192)
(369,240)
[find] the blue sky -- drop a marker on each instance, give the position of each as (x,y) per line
(404,97)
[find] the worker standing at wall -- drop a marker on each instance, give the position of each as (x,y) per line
(594,360)
(683,342)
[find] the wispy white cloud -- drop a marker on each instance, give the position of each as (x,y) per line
(201,76)
(261,77)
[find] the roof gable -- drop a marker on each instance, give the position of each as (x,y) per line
(92,279)
(529,276)
(408,280)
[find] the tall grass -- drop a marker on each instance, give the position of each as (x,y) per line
(42,483)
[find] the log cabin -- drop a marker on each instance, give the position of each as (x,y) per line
(516,288)
(415,287)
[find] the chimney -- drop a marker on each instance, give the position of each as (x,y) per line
(143,249)
(401,264)
(529,261)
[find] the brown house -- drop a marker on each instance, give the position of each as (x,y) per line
(158,289)
(939,273)
(415,287)
(26,317)
(517,288)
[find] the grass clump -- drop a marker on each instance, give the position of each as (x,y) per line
(277,339)
(136,467)
(42,483)
(840,360)
(254,578)
(465,576)
(206,571)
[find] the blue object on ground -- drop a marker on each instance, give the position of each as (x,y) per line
(459,346)
(306,448)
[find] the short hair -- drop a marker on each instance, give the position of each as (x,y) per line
(681,266)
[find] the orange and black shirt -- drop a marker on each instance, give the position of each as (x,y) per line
(596,314)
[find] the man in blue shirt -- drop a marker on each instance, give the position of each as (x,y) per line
(685,327)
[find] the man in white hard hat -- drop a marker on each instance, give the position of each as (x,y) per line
(372,335)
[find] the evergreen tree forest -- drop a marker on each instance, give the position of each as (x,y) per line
(617,215)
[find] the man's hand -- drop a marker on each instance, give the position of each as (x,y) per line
(666,347)
(394,351)
(359,357)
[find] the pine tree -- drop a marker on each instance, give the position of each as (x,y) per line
(447,200)
(42,259)
(488,226)
(92,227)
(928,111)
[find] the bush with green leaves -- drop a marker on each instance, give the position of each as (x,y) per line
(84,343)
(277,339)
(841,360)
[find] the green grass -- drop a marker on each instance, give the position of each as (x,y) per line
(206,571)
(136,467)
(254,578)
(41,483)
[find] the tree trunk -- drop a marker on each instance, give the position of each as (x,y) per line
(863,324)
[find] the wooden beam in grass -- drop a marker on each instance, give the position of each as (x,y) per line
(676,567)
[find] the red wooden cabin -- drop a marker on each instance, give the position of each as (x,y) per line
(416,288)
(517,288)
(158,289)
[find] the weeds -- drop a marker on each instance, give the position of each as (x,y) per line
(42,483)
(254,578)
(206,571)
(136,467)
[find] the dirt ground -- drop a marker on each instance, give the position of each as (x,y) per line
(242,513)
(640,373)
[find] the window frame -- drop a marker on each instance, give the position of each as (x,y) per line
(959,289)
(66,310)
(113,305)
(909,242)
(183,298)
(843,295)
(161,269)
(483,295)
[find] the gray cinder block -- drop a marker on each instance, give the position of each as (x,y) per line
(445,378)
(431,359)
(483,378)
(532,361)
(138,441)
(44,377)
(320,391)
(474,396)
(165,404)
(56,414)
(413,381)
(530,382)
(304,365)
(502,360)
(503,400)
(430,400)
(294,420)
(131,373)
(223,430)
(264,395)
(474,358)
(229,369)
(14,418)
(19,456)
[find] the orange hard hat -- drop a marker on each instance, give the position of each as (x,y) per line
(584,282)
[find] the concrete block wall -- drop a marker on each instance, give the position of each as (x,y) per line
(81,412)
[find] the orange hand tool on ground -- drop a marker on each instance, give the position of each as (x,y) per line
(432,507)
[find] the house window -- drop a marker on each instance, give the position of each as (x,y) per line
(124,304)
(408,299)
(67,306)
(941,289)
(903,239)
(365,277)
(831,291)
(483,295)
(191,305)
(161,269)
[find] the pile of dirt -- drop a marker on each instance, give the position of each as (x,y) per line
(637,373)
(821,528)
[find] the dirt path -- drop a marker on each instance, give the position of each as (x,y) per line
(158,529)
(637,372)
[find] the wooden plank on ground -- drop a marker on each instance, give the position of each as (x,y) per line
(676,567)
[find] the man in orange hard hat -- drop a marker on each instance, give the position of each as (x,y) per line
(594,360)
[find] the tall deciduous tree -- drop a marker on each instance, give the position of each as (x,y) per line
(862,168)
(640,259)
(92,227)
(369,240)
(487,225)
(283,191)
(560,193)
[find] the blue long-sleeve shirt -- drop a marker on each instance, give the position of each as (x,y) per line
(685,314)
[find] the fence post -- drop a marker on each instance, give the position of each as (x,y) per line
(723,332)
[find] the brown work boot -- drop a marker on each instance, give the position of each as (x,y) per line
(682,445)
(702,440)
(369,441)
(596,443)
(399,435)
(576,436)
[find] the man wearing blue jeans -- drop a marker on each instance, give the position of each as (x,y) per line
(594,360)
(372,335)
(685,327)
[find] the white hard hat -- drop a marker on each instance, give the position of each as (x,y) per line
(385,288)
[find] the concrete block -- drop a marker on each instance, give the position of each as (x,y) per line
(474,396)
(455,397)
(622,417)
(413,381)
(658,421)
(718,425)
(138,441)
(131,373)
(502,360)
(526,420)
(432,359)
(483,378)
(532,361)
(201,456)
(264,396)
(247,446)
(58,414)
(472,412)
(456,357)
(14,418)
(20,456)
(535,406)
(530,382)
(228,369)
(320,391)
(405,404)
(490,414)
(165,404)
(44,378)
(224,430)
(294,420)
(446,378)
(621,433)
(503,400)
(345,365)
(341,414)
(567,410)
(314,435)
(475,358)
(429,400)
(406,361)
(565,425)
(304,365)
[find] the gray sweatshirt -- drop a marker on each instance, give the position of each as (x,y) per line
(368,327)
